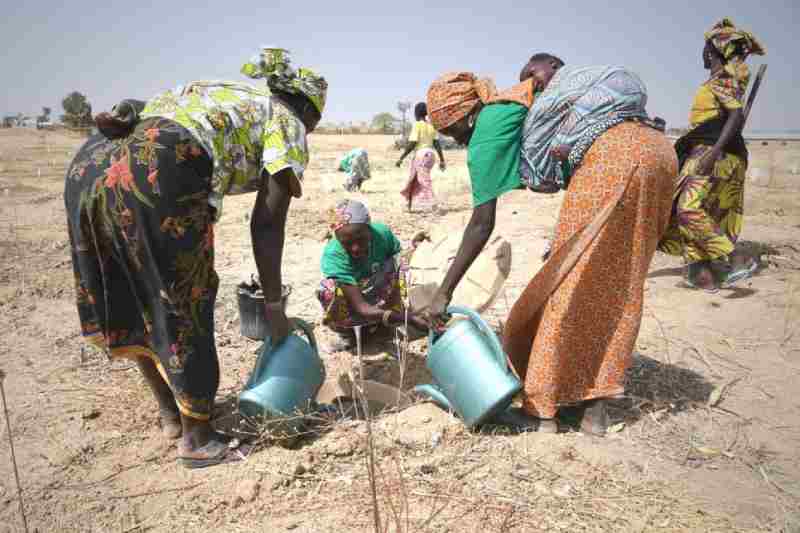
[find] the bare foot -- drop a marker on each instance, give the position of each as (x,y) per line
(170,423)
(595,418)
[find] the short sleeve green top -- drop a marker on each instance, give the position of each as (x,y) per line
(493,153)
(337,264)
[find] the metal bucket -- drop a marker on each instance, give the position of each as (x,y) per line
(252,323)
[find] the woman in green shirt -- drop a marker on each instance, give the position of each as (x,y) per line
(490,123)
(363,275)
(570,335)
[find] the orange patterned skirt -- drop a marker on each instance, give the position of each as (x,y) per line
(577,345)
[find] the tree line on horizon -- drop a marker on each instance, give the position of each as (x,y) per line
(77,113)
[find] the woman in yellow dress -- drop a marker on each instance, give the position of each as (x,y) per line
(707,213)
(422,141)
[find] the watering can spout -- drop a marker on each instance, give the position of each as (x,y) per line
(435,395)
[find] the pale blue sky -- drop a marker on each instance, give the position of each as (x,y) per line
(374,53)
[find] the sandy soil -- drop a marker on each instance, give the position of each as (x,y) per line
(707,440)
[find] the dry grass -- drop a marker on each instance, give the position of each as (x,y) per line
(106,468)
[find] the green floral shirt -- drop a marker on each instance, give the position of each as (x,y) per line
(242,128)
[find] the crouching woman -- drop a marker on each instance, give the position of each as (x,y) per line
(363,276)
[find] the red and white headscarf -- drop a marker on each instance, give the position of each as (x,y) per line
(349,212)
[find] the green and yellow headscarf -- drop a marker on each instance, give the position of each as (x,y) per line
(731,41)
(273,64)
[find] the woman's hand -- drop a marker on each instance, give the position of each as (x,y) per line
(418,322)
(560,152)
(278,325)
(399,162)
(706,164)
(442,166)
(437,310)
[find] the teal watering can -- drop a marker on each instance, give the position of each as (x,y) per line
(470,369)
(285,380)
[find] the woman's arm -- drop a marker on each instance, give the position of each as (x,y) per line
(410,146)
(438,146)
(267,224)
(360,306)
(732,126)
(476,235)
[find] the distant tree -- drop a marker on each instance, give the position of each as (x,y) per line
(44,117)
(383,122)
(403,107)
(77,110)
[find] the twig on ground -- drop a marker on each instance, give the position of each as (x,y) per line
(787,333)
(153,492)
(770,481)
(13,455)
(110,476)
(473,501)
(694,349)
(141,526)
(731,361)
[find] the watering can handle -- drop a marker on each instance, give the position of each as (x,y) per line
(303,326)
(306,328)
(476,319)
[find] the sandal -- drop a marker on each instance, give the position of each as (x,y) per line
(170,421)
(692,285)
(217,453)
(741,274)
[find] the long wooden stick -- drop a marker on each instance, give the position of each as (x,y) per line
(370,451)
(13,456)
(754,91)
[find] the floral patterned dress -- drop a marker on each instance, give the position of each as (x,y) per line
(708,210)
(140,214)
(242,128)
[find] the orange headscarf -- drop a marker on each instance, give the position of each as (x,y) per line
(454,95)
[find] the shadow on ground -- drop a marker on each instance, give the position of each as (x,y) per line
(652,385)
